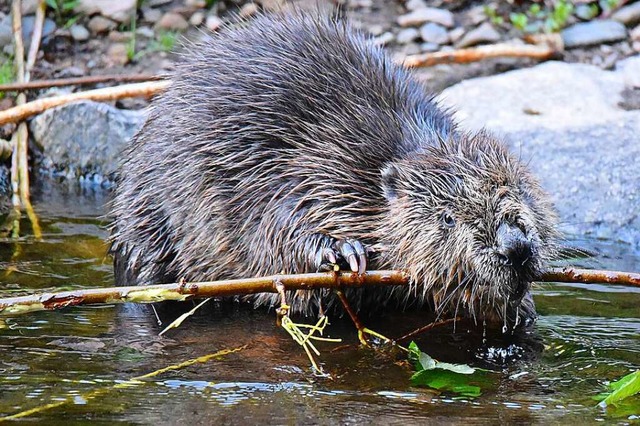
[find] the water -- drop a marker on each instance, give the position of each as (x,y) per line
(75,366)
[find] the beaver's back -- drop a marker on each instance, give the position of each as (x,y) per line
(267,133)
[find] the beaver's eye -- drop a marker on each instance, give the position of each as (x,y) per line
(448,220)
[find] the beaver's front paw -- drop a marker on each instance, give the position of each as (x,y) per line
(347,254)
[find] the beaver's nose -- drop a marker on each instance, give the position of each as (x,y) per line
(512,246)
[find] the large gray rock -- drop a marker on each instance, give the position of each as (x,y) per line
(84,137)
(565,121)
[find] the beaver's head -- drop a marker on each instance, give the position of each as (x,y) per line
(470,224)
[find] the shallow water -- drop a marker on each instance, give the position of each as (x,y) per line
(75,365)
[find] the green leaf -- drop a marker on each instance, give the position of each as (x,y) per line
(628,386)
(446,380)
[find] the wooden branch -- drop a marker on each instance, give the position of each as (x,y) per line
(35,39)
(185,291)
(77,81)
(22,112)
(479,53)
(19,139)
(590,276)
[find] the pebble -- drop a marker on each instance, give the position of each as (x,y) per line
(384,39)
(456,34)
(429,47)
(195,4)
(485,33)
(272,5)
(360,4)
(156,3)
(628,15)
(119,36)
(100,24)
(415,4)
(196,19)
(151,15)
(634,34)
(376,30)
(120,10)
(411,49)
(427,14)
(434,33)
(476,15)
(248,10)
(117,54)
(407,35)
(594,32)
(79,33)
(173,22)
(213,23)
(145,32)
(585,12)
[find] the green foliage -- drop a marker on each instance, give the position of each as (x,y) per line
(628,386)
(6,71)
(209,3)
(165,41)
(558,16)
(458,378)
(519,21)
(492,14)
(63,11)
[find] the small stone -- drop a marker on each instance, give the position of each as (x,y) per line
(630,70)
(120,11)
(586,12)
(172,22)
(434,33)
(196,19)
(119,36)
(427,14)
(636,46)
(118,54)
(151,15)
(28,7)
(407,35)
(594,32)
(415,4)
(360,4)
(429,47)
(79,33)
(634,34)
(145,32)
(99,24)
(411,49)
(456,34)
(213,23)
(476,15)
(384,39)
(195,4)
(628,15)
(376,30)
(248,10)
(272,5)
(485,33)
(157,3)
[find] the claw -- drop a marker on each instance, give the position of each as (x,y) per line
(362,256)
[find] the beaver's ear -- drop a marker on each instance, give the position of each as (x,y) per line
(390,179)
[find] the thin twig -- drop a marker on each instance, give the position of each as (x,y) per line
(77,81)
(590,276)
(479,53)
(22,112)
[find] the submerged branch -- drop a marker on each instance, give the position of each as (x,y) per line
(186,291)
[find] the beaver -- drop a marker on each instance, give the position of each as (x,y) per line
(294,142)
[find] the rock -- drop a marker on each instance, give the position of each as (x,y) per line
(145,32)
(456,34)
(585,12)
(415,4)
(6,31)
(79,33)
(171,21)
(375,30)
(630,70)
(634,34)
(427,14)
(119,36)
(272,5)
(118,54)
(384,39)
(84,137)
(157,3)
(565,120)
(248,10)
(628,15)
(407,35)
(120,11)
(213,23)
(196,19)
(429,47)
(594,32)
(476,15)
(195,4)
(411,49)
(151,15)
(485,33)
(434,33)
(99,25)
(28,7)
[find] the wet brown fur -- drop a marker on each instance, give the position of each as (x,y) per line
(279,138)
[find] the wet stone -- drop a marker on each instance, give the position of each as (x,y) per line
(79,33)
(594,32)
